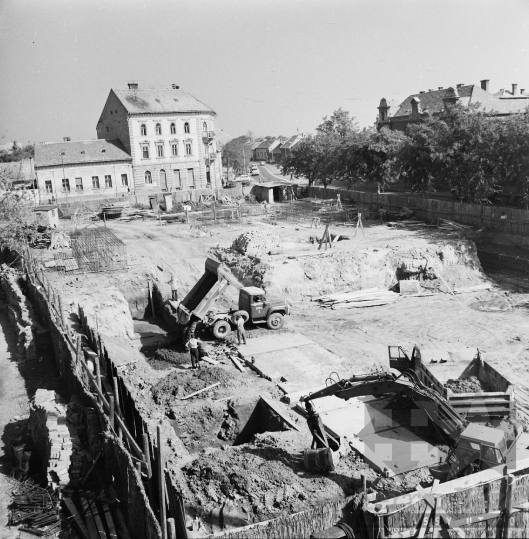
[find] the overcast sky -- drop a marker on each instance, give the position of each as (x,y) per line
(272,67)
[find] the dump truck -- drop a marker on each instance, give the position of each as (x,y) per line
(490,404)
(254,305)
(473,447)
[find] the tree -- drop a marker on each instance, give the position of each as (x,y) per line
(339,123)
(17,153)
(237,154)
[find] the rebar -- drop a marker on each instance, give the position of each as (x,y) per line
(98,250)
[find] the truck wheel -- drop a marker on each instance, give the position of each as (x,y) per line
(520,202)
(503,200)
(236,315)
(221,329)
(275,321)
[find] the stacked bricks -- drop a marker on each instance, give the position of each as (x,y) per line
(20,314)
(54,433)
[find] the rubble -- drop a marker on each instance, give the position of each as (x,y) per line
(467,385)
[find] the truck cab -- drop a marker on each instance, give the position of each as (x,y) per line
(261,309)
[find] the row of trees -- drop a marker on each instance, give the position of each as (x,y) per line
(468,150)
(17,153)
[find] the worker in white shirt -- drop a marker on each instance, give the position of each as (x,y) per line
(241,333)
(174,287)
(193,350)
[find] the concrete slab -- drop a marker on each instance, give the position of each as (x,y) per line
(272,343)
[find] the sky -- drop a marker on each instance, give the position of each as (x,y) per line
(270,67)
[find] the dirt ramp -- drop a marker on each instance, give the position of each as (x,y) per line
(297,276)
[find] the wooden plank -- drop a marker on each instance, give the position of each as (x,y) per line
(279,412)
(90,522)
(424,523)
(450,523)
(237,363)
(110,521)
(76,517)
(475,518)
(98,521)
(200,391)
(209,360)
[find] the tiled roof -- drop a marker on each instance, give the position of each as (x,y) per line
(290,142)
(266,144)
(159,100)
(433,101)
(79,152)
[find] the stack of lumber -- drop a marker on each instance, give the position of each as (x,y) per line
(59,240)
(370,297)
(445,224)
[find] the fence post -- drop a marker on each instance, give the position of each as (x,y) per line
(161,484)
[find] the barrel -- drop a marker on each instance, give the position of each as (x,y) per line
(318,460)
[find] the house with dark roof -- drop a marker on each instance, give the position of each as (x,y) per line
(101,168)
(169,134)
(263,152)
(416,107)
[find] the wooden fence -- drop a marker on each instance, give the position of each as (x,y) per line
(504,220)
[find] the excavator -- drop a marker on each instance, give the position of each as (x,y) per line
(474,447)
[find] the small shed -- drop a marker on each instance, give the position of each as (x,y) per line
(271,192)
(47,215)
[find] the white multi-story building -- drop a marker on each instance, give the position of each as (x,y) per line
(169,134)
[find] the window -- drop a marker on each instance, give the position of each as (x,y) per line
(124,180)
(189,148)
(78,184)
(65,185)
(143,130)
(186,128)
(108,181)
(205,126)
(95,182)
(159,150)
(177,181)
(158,129)
(174,149)
(191,177)
(145,151)
(148,177)
(173,129)
(48,187)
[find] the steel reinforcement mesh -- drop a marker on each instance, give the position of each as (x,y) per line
(98,250)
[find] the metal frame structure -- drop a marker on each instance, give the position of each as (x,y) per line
(98,250)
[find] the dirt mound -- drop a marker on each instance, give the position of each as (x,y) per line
(256,243)
(182,383)
(498,303)
(165,358)
(467,385)
(456,262)
(248,484)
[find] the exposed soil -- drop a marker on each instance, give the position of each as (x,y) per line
(467,385)
(164,358)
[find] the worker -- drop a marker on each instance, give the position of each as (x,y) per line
(241,333)
(193,350)
(174,287)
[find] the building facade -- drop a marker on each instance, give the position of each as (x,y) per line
(417,107)
(169,134)
(98,168)
(286,147)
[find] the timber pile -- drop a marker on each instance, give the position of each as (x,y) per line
(445,224)
(370,297)
(59,240)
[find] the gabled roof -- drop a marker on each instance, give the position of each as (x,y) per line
(79,152)
(291,141)
(159,101)
(432,102)
(266,144)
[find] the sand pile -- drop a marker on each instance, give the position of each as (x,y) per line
(251,483)
(182,383)
(256,243)
(467,385)
(296,277)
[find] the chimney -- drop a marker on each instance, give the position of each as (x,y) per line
(439,87)
(415,102)
(430,89)
(485,84)
(383,111)
(421,92)
(459,85)
(451,98)
(133,85)
(515,89)
(522,91)
(175,87)
(66,139)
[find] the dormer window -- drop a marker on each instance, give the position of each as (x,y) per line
(143,130)
(158,129)
(173,129)
(186,128)
(63,153)
(103,150)
(83,152)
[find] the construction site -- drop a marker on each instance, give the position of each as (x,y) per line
(380,389)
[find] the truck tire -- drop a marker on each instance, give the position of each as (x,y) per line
(236,315)
(221,329)
(503,200)
(520,202)
(275,321)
